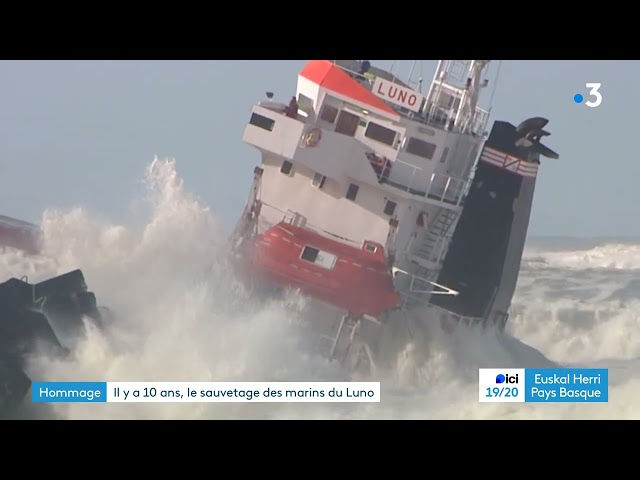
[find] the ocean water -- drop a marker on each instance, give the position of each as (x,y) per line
(183,315)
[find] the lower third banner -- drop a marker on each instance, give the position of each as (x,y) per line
(195,392)
(543,385)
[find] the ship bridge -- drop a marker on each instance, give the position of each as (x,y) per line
(443,107)
(336,104)
(332,154)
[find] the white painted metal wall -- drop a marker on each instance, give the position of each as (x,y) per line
(326,208)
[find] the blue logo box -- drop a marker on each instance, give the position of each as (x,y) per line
(582,385)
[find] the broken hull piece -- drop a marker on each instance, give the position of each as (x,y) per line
(41,318)
(20,235)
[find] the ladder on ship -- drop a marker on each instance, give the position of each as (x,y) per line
(348,327)
(433,240)
(345,348)
(431,248)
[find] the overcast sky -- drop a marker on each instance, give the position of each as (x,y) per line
(82,132)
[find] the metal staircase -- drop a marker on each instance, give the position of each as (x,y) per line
(429,248)
(426,258)
(344,346)
(346,333)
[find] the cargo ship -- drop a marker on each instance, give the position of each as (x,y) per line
(379,202)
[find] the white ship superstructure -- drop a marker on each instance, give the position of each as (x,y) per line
(363,180)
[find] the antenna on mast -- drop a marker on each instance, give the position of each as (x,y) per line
(410,81)
(495,84)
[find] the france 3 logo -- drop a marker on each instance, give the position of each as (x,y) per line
(594,92)
(499,385)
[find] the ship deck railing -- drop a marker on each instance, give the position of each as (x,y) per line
(439,186)
(419,291)
(281,108)
(409,298)
(436,116)
(292,217)
(461,318)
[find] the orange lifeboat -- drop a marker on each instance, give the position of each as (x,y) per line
(357,280)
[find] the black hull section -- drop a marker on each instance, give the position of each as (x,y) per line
(32,317)
(484,256)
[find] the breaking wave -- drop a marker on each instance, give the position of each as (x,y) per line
(184,315)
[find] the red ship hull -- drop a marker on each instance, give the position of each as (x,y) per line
(18,234)
(356,280)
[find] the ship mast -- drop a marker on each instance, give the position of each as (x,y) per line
(455,91)
(472,91)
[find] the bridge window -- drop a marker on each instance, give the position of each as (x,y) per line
(305,104)
(318,257)
(420,148)
(329,113)
(262,122)
(286,168)
(352,191)
(390,207)
(380,134)
(318,180)
(347,123)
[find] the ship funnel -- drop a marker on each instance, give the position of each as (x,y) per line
(530,132)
